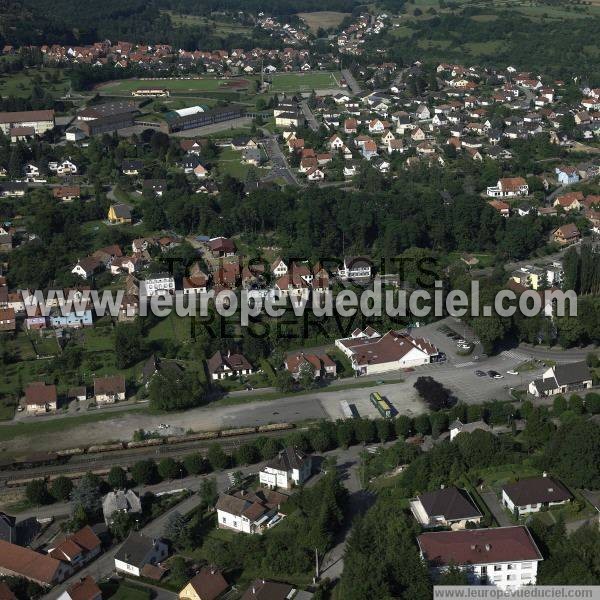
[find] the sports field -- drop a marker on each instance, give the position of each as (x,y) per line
(304,82)
(204,84)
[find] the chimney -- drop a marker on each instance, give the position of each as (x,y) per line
(487,547)
(473,546)
(442,486)
(544,474)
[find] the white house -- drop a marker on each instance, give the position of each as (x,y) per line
(458,426)
(562,379)
(530,495)
(509,187)
(503,557)
(249,512)
(290,467)
(279,268)
(355,268)
(446,507)
(158,283)
(137,551)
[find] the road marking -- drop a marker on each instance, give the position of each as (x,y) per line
(514,355)
(465,364)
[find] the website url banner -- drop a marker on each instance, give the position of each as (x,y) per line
(551,592)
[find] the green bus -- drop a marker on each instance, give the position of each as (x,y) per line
(382,405)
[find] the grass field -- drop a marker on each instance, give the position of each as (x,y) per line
(304,82)
(219,27)
(325,19)
(204,84)
(20,85)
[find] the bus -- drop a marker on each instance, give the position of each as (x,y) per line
(385,410)
(348,410)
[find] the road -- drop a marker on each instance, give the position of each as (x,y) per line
(351,82)
(281,168)
(310,117)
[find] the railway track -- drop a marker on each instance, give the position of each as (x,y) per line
(79,464)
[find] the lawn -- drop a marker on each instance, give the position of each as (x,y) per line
(21,84)
(304,82)
(180,85)
(323,19)
(124,591)
(230,163)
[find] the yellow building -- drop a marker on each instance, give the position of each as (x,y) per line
(208,584)
(119,213)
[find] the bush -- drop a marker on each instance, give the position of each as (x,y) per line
(37,492)
(61,488)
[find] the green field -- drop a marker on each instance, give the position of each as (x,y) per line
(203,84)
(304,82)
(20,84)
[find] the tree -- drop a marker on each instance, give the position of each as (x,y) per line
(285,381)
(422,424)
(61,488)
(129,344)
(195,464)
(37,492)
(117,478)
(403,426)
(172,390)
(247,454)
(217,457)
(121,524)
(86,496)
(559,405)
(175,527)
(169,468)
(385,431)
(144,472)
(435,395)
(269,449)
(208,492)
(364,430)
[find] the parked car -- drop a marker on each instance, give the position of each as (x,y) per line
(512,372)
(480,373)
(495,375)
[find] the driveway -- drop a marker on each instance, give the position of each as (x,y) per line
(491,499)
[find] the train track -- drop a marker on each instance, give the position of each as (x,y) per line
(127,457)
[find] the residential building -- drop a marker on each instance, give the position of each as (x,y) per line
(39,568)
(158,284)
(392,351)
(249,512)
(221,366)
(77,549)
(40,120)
(207,584)
(8,320)
(457,427)
(40,398)
(562,379)
(566,175)
(84,589)
(566,234)
(261,589)
(126,501)
(503,557)
(446,507)
(137,551)
(355,268)
(119,213)
(530,495)
(290,467)
(319,363)
(109,389)
(509,187)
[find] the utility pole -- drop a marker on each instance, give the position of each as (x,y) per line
(316,565)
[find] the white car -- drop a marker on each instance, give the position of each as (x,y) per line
(512,372)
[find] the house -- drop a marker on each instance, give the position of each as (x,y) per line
(126,501)
(84,589)
(231,365)
(261,589)
(502,207)
(279,268)
(86,267)
(221,247)
(195,285)
(78,548)
(319,363)
(119,213)
(109,389)
(509,187)
(138,551)
(8,320)
(446,507)
(200,172)
(566,234)
(570,201)
(157,284)
(378,354)
(336,142)
(290,467)
(566,175)
(155,365)
(315,174)
(355,268)
(422,113)
(503,557)
(249,512)
(207,584)
(66,193)
(458,426)
(132,166)
(40,120)
(562,379)
(40,398)
(530,495)
(350,126)
(39,568)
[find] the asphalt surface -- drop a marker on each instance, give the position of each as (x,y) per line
(351,82)
(280,167)
(310,117)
